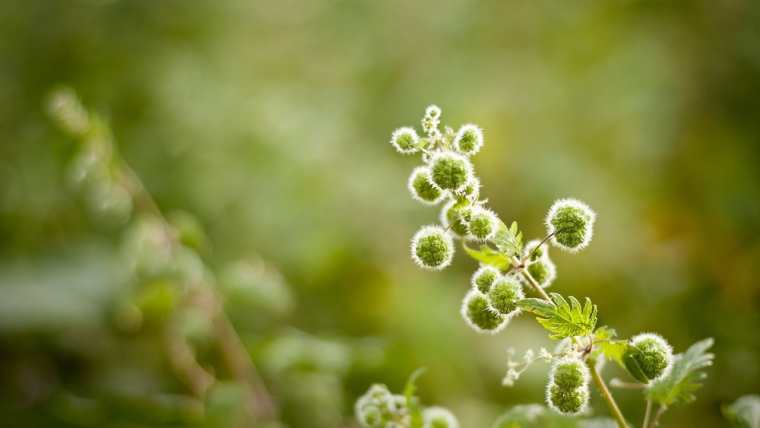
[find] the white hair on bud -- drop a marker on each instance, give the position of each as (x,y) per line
(572,203)
(400,132)
(465,129)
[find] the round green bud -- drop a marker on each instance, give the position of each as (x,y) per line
(479,314)
(432,248)
(439,417)
(450,171)
(567,401)
(543,271)
(572,224)
(469,139)
(484,277)
(504,295)
(422,189)
(483,223)
(471,191)
(648,357)
(405,140)
(455,216)
(569,373)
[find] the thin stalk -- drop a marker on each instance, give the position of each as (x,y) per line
(530,279)
(647,414)
(606,395)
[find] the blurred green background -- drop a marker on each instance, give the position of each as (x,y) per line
(269,122)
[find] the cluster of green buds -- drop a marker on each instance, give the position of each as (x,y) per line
(379,408)
(568,389)
(648,357)
(447,178)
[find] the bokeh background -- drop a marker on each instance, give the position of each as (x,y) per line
(269,123)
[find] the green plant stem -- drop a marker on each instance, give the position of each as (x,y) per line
(611,404)
(519,265)
(647,414)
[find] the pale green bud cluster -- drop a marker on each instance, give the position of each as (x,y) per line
(439,417)
(538,264)
(432,248)
(492,302)
(568,391)
(379,408)
(571,224)
(648,357)
(446,176)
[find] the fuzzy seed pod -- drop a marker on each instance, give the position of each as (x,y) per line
(377,408)
(431,120)
(450,171)
(539,265)
(568,402)
(572,223)
(432,248)
(504,295)
(455,215)
(569,373)
(483,223)
(422,189)
(469,139)
(405,140)
(648,357)
(484,278)
(479,315)
(439,417)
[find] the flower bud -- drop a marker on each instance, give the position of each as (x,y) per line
(432,248)
(572,224)
(405,140)
(450,171)
(431,120)
(479,315)
(439,417)
(648,357)
(504,294)
(471,191)
(569,373)
(483,223)
(567,401)
(484,278)
(422,189)
(455,215)
(469,139)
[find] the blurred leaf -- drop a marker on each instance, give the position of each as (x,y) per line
(538,416)
(509,240)
(685,378)
(488,256)
(610,348)
(744,412)
(412,402)
(562,319)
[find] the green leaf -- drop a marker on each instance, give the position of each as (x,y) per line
(412,402)
(744,412)
(604,339)
(488,256)
(509,240)
(562,318)
(685,378)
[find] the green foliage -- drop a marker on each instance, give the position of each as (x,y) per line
(560,318)
(686,376)
(412,402)
(488,256)
(744,412)
(509,240)
(604,340)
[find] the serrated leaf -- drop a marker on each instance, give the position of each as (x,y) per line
(685,378)
(508,240)
(744,412)
(412,402)
(488,256)
(562,319)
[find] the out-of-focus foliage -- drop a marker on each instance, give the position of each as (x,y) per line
(744,412)
(268,121)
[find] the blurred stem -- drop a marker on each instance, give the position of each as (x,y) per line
(660,411)
(180,352)
(606,395)
(647,414)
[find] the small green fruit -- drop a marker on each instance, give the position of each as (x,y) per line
(480,315)
(572,223)
(648,357)
(432,248)
(484,278)
(450,171)
(422,189)
(504,295)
